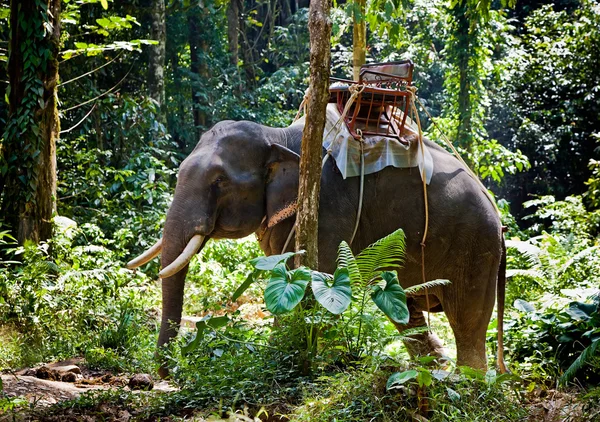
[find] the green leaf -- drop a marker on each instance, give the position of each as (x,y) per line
(524,306)
(397,379)
(201,326)
(346,259)
(424,378)
(387,252)
(452,395)
(335,297)
(268,263)
(583,358)
(195,342)
(472,373)
(217,322)
(391,299)
(285,289)
(104,4)
(244,286)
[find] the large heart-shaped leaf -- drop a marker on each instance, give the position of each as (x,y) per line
(335,295)
(268,263)
(391,299)
(285,289)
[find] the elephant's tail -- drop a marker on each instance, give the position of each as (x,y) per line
(501,295)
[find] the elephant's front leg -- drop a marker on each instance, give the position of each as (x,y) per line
(421,344)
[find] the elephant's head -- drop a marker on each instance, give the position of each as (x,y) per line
(238,176)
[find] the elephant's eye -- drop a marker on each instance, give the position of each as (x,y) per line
(220,180)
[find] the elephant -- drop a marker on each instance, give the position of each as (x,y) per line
(242,178)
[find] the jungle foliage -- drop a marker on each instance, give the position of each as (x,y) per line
(515,85)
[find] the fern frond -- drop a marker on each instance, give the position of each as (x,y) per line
(577,257)
(386,253)
(534,275)
(404,335)
(587,353)
(346,259)
(532,252)
(427,285)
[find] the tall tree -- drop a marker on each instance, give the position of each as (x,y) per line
(466,59)
(359,37)
(29,150)
(233,30)
(198,51)
(157,55)
(319,27)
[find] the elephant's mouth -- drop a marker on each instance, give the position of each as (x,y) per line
(194,245)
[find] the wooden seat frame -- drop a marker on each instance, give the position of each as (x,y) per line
(374,111)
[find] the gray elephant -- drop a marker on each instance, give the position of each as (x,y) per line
(242,178)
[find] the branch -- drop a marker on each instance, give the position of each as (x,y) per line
(101,95)
(79,122)
(91,71)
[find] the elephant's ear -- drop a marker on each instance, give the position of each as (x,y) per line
(282,184)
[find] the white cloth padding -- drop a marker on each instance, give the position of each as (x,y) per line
(379,151)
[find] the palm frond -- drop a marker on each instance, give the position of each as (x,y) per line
(427,285)
(346,259)
(386,253)
(587,353)
(577,257)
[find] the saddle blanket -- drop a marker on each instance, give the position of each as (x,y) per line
(379,151)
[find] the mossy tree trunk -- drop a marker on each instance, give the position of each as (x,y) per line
(156,56)
(464,50)
(29,150)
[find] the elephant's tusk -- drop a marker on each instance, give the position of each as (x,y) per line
(149,255)
(184,258)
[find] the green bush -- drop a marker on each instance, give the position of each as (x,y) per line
(72,295)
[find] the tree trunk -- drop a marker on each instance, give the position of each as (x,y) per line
(319,26)
(464,51)
(156,59)
(33,126)
(359,38)
(233,30)
(198,51)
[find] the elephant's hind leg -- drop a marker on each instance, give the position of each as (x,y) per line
(421,344)
(470,327)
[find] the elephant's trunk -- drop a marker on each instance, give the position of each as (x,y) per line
(184,257)
(175,258)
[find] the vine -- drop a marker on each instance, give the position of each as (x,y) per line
(32,71)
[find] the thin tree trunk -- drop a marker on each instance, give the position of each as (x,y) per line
(198,49)
(359,39)
(319,26)
(33,125)
(233,30)
(156,59)
(464,52)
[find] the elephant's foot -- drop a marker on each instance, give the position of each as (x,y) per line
(425,344)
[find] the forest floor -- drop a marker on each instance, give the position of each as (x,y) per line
(60,382)
(52,391)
